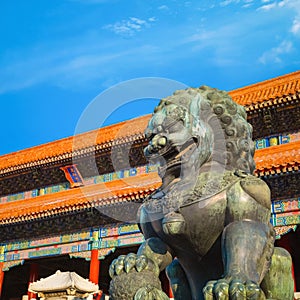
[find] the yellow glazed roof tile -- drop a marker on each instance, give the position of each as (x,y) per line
(267,90)
(79,198)
(275,156)
(63,148)
(60,149)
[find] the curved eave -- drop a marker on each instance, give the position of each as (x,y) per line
(277,159)
(101,194)
(270,92)
(274,159)
(89,142)
(281,89)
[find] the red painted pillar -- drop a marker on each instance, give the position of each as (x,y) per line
(33,276)
(94,263)
(1,276)
(94,267)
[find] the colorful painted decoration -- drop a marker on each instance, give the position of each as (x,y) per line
(281,230)
(79,244)
(73,175)
(87,181)
(275,140)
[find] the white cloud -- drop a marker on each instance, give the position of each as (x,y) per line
(280,4)
(130,26)
(228,2)
(294,5)
(163,7)
(296,26)
(268,7)
(152,19)
(275,54)
(90,1)
(72,68)
(246,3)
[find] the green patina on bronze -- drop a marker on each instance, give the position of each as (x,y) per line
(208,223)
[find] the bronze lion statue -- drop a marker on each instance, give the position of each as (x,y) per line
(208,224)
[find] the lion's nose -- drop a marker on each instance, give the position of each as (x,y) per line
(155,145)
(158,142)
(162,141)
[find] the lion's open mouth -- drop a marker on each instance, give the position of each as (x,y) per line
(172,157)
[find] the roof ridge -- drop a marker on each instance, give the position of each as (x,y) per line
(269,89)
(63,148)
(73,143)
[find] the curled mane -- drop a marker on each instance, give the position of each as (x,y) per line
(218,122)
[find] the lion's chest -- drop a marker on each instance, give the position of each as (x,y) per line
(195,226)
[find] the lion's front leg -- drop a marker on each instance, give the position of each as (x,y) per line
(136,276)
(278,282)
(246,249)
(247,241)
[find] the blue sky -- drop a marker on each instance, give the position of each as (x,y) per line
(56,56)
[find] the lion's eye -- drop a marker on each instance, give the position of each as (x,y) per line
(159,129)
(177,126)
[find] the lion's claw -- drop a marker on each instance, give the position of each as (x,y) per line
(253,291)
(232,290)
(132,262)
(208,290)
(237,290)
(117,266)
(221,289)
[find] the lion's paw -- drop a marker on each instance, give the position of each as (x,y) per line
(132,263)
(150,293)
(232,290)
(135,277)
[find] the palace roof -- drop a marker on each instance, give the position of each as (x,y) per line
(127,131)
(76,199)
(277,159)
(269,92)
(272,160)
(283,88)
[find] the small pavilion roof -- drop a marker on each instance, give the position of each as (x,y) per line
(62,281)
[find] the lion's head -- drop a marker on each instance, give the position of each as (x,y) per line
(199,126)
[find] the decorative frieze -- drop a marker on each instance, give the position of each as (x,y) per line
(77,180)
(287,205)
(275,140)
(285,219)
(281,230)
(79,244)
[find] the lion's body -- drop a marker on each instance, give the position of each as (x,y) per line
(193,231)
(210,212)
